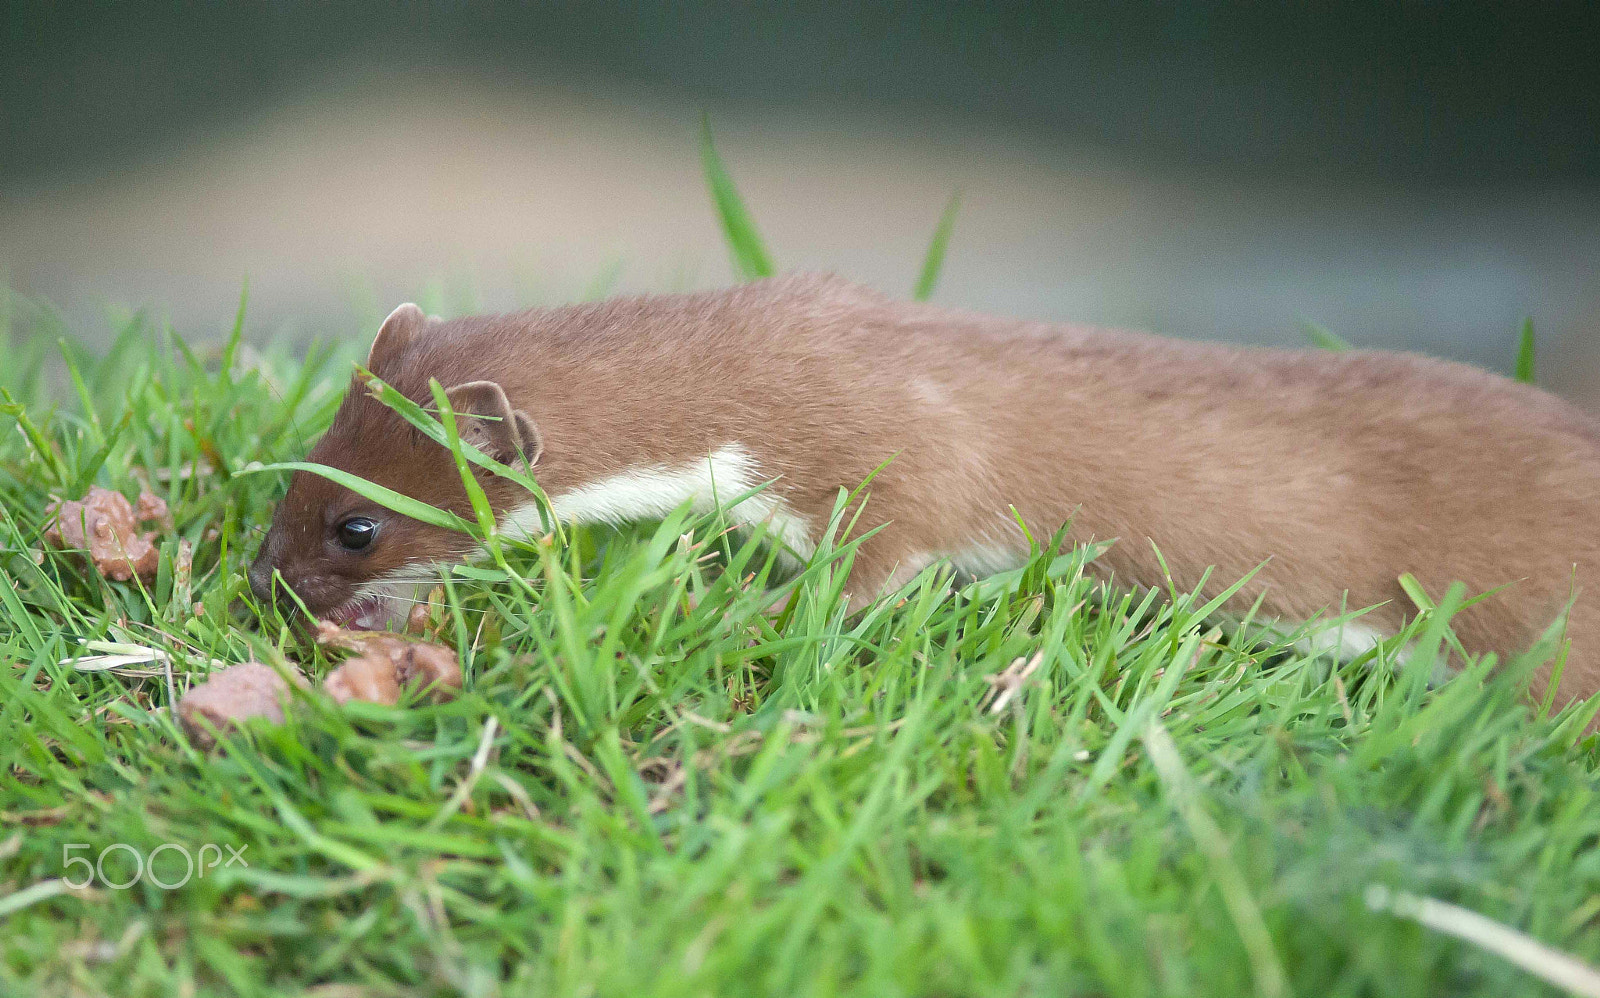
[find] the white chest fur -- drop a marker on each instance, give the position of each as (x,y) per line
(650,492)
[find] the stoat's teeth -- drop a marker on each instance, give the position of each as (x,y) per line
(350,612)
(371,612)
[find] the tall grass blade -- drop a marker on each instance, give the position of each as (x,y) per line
(750,258)
(1525,359)
(1323,337)
(383,496)
(933,262)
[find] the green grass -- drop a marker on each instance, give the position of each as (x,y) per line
(746,251)
(1033,784)
(933,261)
(1522,368)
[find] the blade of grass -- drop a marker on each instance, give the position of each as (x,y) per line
(235,335)
(475,493)
(1323,337)
(385,497)
(1525,359)
(933,261)
(750,258)
(1253,932)
(1548,964)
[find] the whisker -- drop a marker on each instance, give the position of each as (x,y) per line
(363,594)
(395,580)
(463,609)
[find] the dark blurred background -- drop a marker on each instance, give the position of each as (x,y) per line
(1412,174)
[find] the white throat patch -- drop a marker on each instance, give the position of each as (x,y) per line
(651,492)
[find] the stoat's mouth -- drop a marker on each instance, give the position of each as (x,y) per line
(364,613)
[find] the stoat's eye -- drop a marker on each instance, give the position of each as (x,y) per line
(357,532)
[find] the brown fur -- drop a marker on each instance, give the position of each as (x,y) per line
(1339,470)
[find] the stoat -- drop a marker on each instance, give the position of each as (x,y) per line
(1335,472)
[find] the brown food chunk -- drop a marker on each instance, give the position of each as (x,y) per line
(384,663)
(230,695)
(420,620)
(374,680)
(417,619)
(152,509)
(105,526)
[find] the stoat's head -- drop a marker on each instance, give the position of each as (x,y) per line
(349,559)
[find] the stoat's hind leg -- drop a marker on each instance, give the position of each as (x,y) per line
(1348,640)
(1345,640)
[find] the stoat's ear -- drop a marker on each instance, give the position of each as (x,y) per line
(485,419)
(397,331)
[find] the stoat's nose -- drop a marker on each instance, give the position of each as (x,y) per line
(261,577)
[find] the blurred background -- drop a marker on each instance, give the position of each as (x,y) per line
(1418,175)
